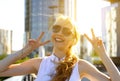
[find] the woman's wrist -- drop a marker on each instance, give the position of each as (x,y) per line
(25,51)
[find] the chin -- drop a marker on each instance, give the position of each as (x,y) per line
(60,47)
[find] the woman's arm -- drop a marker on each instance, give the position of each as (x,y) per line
(27,67)
(89,71)
(100,49)
(32,44)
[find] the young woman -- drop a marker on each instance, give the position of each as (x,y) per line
(62,64)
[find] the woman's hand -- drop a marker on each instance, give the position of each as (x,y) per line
(32,45)
(97,43)
(6,67)
(35,43)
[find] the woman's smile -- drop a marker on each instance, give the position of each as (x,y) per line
(59,40)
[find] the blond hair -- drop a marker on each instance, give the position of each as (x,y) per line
(65,67)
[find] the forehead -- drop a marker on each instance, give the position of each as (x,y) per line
(64,23)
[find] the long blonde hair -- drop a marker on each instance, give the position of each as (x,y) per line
(64,69)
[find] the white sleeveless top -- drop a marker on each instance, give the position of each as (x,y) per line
(47,69)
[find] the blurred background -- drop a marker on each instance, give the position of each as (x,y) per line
(21,20)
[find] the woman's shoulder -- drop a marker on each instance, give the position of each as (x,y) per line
(84,65)
(36,62)
(83,62)
(38,59)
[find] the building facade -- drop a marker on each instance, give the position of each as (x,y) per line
(5,41)
(111,28)
(39,16)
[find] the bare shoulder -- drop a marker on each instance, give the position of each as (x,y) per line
(84,64)
(81,63)
(36,62)
(86,68)
(81,67)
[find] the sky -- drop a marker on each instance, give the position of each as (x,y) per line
(90,16)
(12,18)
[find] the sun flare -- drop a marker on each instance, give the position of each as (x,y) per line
(89,15)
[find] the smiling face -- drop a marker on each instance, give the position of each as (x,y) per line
(63,34)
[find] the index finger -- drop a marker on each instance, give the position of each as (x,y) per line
(88,38)
(93,34)
(40,36)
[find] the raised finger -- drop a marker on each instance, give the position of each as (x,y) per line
(43,43)
(93,34)
(88,38)
(41,35)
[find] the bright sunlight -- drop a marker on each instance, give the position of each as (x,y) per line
(89,15)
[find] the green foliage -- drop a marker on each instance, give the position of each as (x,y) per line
(95,58)
(97,62)
(2,56)
(94,54)
(22,60)
(19,61)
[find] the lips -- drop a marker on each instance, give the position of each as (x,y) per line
(59,40)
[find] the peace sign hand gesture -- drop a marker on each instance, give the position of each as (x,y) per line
(34,43)
(97,43)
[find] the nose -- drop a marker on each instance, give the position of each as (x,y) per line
(60,32)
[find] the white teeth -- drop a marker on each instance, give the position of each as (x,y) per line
(59,40)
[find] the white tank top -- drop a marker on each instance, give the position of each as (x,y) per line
(47,69)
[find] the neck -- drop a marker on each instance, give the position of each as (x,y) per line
(59,53)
